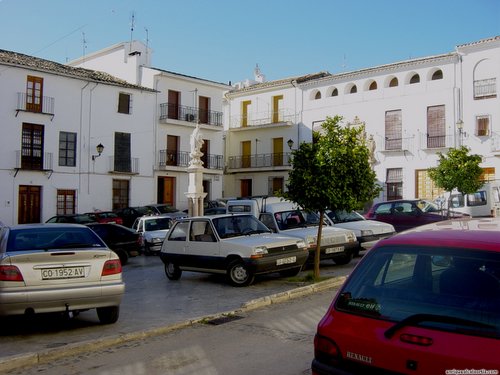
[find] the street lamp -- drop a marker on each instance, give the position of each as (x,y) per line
(290,143)
(99,148)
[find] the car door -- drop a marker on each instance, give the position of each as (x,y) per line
(203,246)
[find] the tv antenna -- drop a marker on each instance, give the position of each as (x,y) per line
(132,24)
(84,45)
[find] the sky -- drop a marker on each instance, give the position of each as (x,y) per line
(223,40)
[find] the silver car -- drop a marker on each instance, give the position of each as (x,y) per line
(47,268)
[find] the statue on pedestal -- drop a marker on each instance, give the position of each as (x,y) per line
(196,142)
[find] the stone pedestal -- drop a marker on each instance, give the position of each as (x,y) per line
(195,194)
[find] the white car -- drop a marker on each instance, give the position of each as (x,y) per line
(239,246)
(153,230)
(46,268)
(368,232)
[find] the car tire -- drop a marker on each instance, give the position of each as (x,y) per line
(291,272)
(122,254)
(343,259)
(108,315)
(172,271)
(238,274)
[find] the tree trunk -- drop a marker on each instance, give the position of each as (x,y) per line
(318,246)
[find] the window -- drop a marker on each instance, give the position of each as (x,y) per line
(179,232)
(67,149)
(438,74)
(436,127)
(317,95)
(415,79)
(204,109)
(335,92)
(120,194)
(485,88)
(394,182)
(394,82)
(482,126)
(34,94)
(124,103)
(174,101)
(122,162)
(172,150)
(353,89)
(245,106)
(66,202)
(32,146)
(275,185)
(393,130)
(373,86)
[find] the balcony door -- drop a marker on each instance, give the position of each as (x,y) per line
(246,154)
(174,99)
(34,94)
(204,109)
(32,146)
(277,151)
(172,149)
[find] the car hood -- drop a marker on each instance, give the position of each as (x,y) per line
(377,227)
(268,239)
(161,233)
(329,235)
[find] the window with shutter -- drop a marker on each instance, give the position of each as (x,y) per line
(436,127)
(482,125)
(124,103)
(122,162)
(393,130)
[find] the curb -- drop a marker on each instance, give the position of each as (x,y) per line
(48,355)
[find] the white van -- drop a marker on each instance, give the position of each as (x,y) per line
(483,203)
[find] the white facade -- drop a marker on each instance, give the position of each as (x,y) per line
(181,102)
(41,172)
(413,92)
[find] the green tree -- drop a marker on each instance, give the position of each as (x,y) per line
(333,172)
(458,170)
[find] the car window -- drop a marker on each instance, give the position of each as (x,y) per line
(239,225)
(179,232)
(395,284)
(383,209)
(268,221)
(156,224)
(44,238)
(201,231)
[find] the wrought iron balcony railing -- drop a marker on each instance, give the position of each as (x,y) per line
(428,141)
(34,160)
(181,159)
(130,165)
(45,104)
(190,114)
(262,118)
(281,159)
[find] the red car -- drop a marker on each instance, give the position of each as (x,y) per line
(422,302)
(105,217)
(405,214)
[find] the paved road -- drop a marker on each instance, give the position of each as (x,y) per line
(151,302)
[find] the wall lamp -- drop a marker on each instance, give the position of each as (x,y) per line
(99,148)
(290,143)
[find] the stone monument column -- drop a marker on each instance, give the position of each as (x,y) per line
(195,194)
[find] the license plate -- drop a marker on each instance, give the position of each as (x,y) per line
(288,260)
(63,273)
(337,249)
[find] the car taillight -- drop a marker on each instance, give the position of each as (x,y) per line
(326,350)
(111,267)
(10,273)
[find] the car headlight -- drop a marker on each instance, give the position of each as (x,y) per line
(366,232)
(311,240)
(156,239)
(351,236)
(260,250)
(301,244)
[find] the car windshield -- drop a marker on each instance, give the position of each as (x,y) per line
(450,289)
(157,224)
(45,238)
(342,216)
(165,209)
(238,225)
(295,219)
(428,206)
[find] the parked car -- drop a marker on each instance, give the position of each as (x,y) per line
(214,211)
(404,214)
(129,214)
(72,218)
(153,230)
(67,268)
(239,246)
(368,232)
(122,240)
(166,210)
(423,302)
(105,217)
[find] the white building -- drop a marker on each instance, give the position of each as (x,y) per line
(412,109)
(53,117)
(181,102)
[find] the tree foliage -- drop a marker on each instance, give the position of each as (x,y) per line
(333,172)
(458,170)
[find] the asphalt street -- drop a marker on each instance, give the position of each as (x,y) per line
(152,305)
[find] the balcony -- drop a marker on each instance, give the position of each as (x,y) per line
(436,142)
(125,166)
(168,159)
(34,160)
(259,119)
(190,114)
(45,107)
(258,161)
(397,144)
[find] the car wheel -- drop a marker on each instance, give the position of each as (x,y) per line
(344,259)
(122,254)
(291,272)
(172,271)
(108,315)
(238,274)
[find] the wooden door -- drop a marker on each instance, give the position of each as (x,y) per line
(173,104)
(172,149)
(29,204)
(277,151)
(34,94)
(246,188)
(246,154)
(204,109)
(166,190)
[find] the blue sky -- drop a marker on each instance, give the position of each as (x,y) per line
(222,40)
